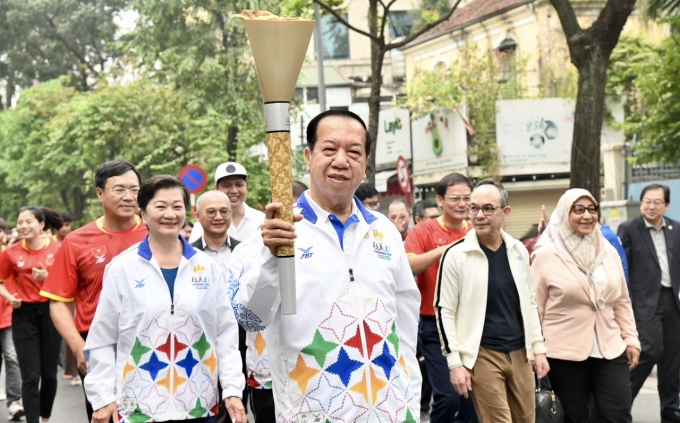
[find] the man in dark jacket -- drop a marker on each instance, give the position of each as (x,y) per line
(652,245)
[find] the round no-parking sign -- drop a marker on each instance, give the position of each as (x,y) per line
(194,178)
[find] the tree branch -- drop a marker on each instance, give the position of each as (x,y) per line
(609,24)
(75,52)
(567,17)
(344,21)
(423,30)
(385,17)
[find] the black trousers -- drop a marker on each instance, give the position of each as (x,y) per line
(448,406)
(37,343)
(607,380)
(660,342)
(262,404)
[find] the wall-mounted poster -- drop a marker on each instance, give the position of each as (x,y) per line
(394,136)
(439,142)
(534,131)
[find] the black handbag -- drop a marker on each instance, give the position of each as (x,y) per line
(548,407)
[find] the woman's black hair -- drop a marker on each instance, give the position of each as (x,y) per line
(155,183)
(52,219)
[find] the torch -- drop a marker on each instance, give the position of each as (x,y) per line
(279,46)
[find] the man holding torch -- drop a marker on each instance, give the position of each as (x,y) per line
(348,354)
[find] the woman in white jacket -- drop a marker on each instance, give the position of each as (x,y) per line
(164,329)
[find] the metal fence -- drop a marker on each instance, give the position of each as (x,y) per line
(654,172)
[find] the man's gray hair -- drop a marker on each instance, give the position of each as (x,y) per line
(408,208)
(504,193)
(206,194)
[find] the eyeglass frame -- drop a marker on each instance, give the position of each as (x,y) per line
(657,203)
(471,206)
(214,212)
(371,204)
(595,208)
(466,198)
(124,191)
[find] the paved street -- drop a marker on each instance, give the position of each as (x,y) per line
(70,408)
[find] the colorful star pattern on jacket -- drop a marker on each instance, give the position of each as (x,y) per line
(351,363)
(177,368)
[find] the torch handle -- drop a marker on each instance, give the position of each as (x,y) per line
(281,174)
(277,118)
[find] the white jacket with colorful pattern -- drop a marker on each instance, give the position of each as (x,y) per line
(158,359)
(348,355)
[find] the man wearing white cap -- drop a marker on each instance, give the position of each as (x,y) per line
(232,179)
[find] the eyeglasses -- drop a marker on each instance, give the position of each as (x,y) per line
(487,209)
(120,191)
(657,203)
(457,198)
(372,204)
(578,209)
(211,213)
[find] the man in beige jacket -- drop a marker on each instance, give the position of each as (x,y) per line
(487,316)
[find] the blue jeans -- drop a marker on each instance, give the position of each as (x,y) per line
(12,372)
(448,406)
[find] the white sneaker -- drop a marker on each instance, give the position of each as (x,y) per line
(16,410)
(3,395)
(76,381)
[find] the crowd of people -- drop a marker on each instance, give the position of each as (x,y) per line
(425,313)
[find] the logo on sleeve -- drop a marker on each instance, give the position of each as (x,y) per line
(140,283)
(99,253)
(306,252)
(200,280)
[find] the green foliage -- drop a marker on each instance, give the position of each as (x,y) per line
(196,47)
(472,80)
(655,117)
(43,39)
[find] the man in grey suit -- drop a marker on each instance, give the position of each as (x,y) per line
(652,245)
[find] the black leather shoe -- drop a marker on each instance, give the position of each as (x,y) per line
(670,416)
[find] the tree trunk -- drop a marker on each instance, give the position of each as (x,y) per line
(232,143)
(588,119)
(377,58)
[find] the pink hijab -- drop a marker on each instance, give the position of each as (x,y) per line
(586,251)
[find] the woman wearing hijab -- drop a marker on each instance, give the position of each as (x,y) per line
(586,312)
(164,331)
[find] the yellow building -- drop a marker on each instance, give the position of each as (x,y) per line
(528,30)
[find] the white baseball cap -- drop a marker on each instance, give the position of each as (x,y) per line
(230,169)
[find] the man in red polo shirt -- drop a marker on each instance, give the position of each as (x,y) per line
(425,244)
(78,268)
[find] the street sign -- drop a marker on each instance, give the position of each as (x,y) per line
(194,178)
(403,175)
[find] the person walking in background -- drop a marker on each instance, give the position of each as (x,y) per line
(614,240)
(66,226)
(400,214)
(79,265)
(232,179)
(425,210)
(187,229)
(12,390)
(424,246)
(36,340)
(171,327)
(298,189)
(586,312)
(368,196)
(652,245)
(487,316)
